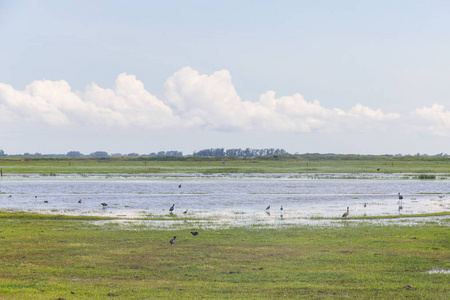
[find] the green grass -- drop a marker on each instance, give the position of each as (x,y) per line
(217,165)
(47,258)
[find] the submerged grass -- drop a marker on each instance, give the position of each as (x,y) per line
(46,258)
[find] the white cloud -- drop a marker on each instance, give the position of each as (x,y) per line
(191,100)
(434,119)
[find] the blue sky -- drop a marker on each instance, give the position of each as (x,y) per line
(145,76)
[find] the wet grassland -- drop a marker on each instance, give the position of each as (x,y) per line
(81,257)
(90,257)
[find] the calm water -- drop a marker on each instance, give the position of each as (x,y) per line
(300,196)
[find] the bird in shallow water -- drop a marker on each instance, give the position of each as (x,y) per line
(45,201)
(281,208)
(400,196)
(79,201)
(365,204)
(179,186)
(268,207)
(172,207)
(104,204)
(346,213)
(172,241)
(185,212)
(194,232)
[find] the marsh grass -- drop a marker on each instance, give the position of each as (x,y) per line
(45,258)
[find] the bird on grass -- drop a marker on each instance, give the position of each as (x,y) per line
(172,207)
(268,207)
(172,241)
(346,213)
(194,232)
(400,196)
(104,204)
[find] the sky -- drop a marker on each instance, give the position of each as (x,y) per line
(324,76)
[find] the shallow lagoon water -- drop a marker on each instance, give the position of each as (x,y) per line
(226,199)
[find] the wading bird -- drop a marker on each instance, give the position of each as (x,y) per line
(281,208)
(346,213)
(400,196)
(79,201)
(268,207)
(172,241)
(104,204)
(179,186)
(172,207)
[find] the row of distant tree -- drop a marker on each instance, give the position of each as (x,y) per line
(213,152)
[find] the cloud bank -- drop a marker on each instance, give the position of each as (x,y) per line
(193,100)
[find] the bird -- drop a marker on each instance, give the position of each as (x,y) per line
(104,204)
(185,212)
(365,204)
(268,207)
(346,213)
(45,201)
(378,169)
(179,186)
(172,207)
(194,232)
(400,196)
(172,241)
(35,196)
(281,208)
(79,201)
(441,196)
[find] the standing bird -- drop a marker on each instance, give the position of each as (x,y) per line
(172,241)
(185,212)
(365,204)
(104,204)
(400,196)
(268,207)
(79,201)
(346,213)
(172,207)
(179,186)
(194,232)
(281,208)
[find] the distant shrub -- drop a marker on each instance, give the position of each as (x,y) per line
(426,176)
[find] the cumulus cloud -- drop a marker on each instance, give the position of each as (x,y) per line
(434,119)
(191,100)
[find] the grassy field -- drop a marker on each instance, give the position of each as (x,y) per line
(45,257)
(207,165)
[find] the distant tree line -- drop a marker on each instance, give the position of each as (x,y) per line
(239,152)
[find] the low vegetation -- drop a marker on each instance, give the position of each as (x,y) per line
(216,165)
(48,258)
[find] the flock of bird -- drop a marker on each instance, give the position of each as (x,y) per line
(194,233)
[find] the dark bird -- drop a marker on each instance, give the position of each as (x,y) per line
(45,201)
(441,196)
(400,196)
(79,201)
(346,213)
(268,207)
(194,232)
(185,212)
(179,186)
(172,241)
(281,208)
(365,204)
(105,204)
(35,196)
(378,169)
(172,207)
